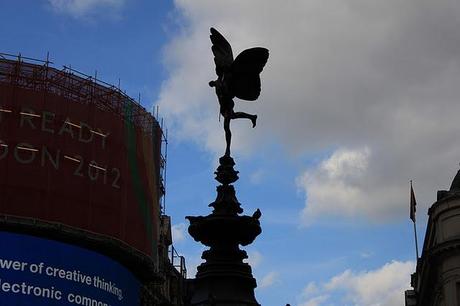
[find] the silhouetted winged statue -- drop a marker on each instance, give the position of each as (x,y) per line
(236,78)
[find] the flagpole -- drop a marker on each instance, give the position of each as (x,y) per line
(412,217)
(416,242)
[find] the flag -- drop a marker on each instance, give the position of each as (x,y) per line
(413,203)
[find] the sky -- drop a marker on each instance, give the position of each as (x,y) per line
(358,98)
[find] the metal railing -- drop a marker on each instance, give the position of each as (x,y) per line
(74,85)
(177,261)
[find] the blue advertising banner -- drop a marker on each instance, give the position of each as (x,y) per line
(41,272)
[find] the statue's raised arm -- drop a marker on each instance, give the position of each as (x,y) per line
(237,77)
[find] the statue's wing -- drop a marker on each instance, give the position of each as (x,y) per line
(245,83)
(223,55)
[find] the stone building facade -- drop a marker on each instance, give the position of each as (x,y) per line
(436,281)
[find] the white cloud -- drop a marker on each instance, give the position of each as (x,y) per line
(268,280)
(342,75)
(179,232)
(310,289)
(84,8)
(384,286)
(343,185)
(254,258)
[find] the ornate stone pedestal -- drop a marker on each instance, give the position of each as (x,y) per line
(224,279)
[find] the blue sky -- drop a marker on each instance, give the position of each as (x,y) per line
(358,97)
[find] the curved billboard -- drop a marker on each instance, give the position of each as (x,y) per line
(42,272)
(69,156)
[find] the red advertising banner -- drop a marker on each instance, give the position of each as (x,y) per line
(78,164)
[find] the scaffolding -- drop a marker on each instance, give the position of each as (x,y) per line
(38,75)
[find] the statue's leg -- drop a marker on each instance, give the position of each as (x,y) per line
(228,134)
(242,115)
